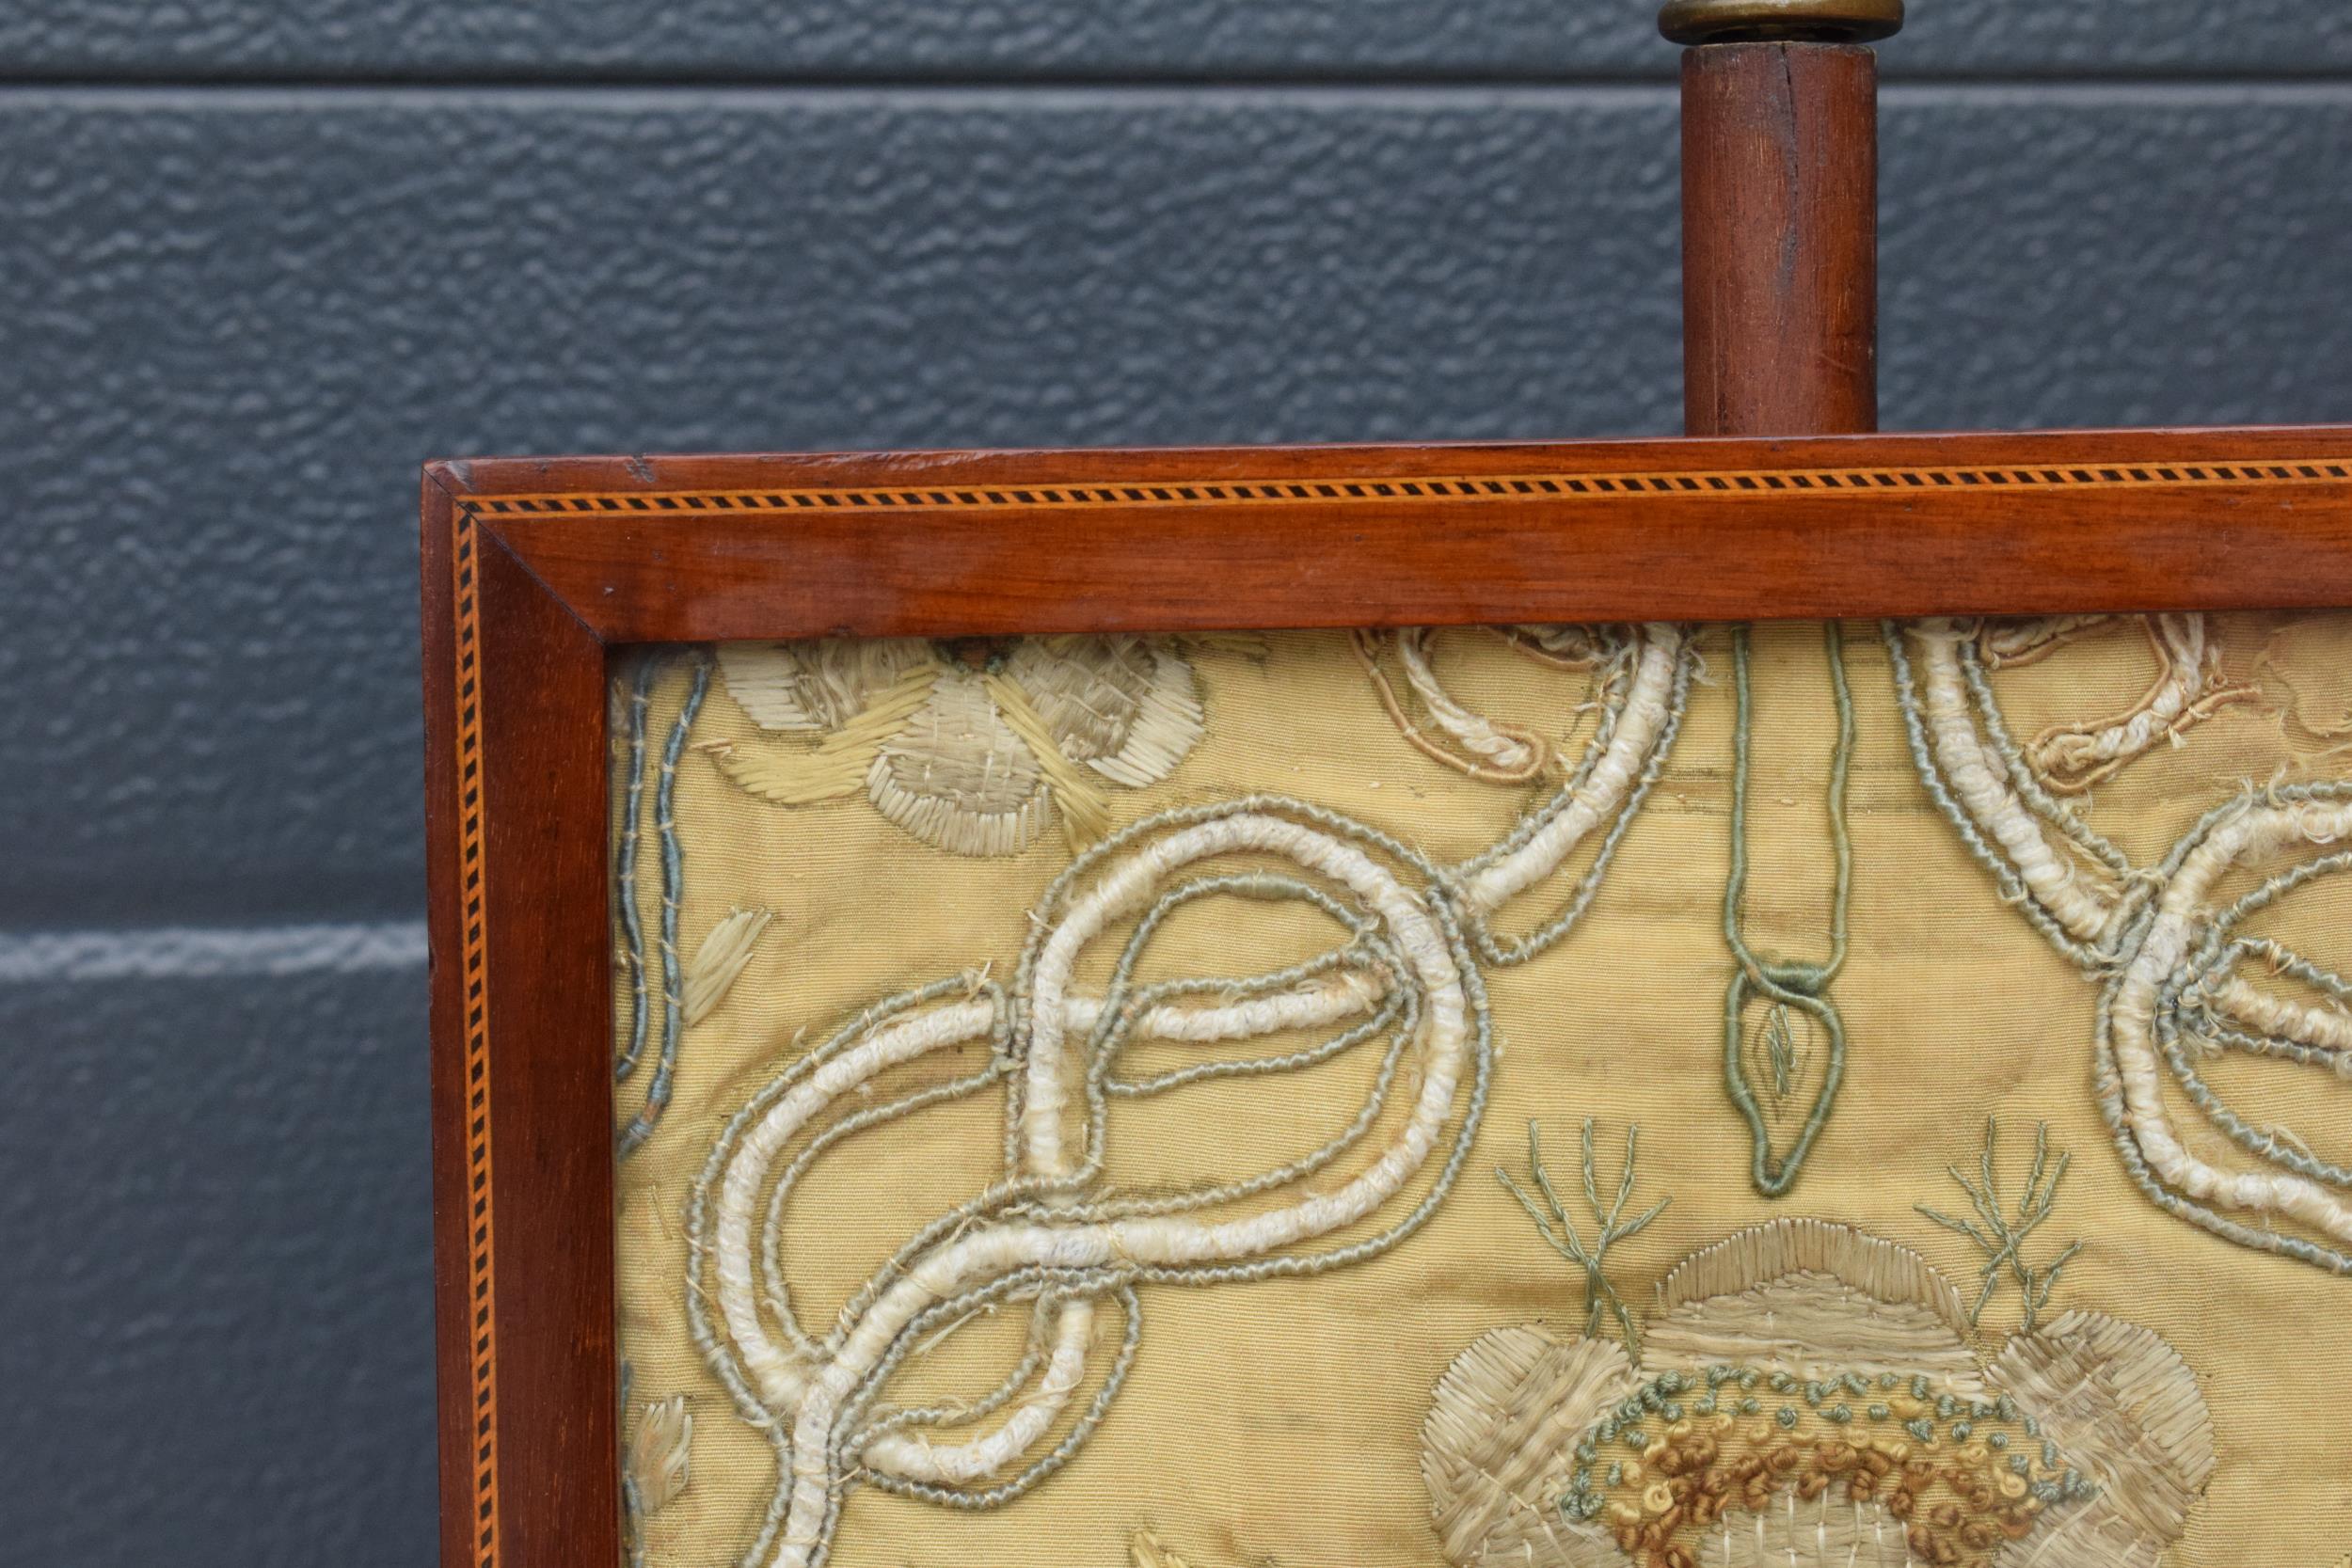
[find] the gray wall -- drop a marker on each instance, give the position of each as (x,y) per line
(259,258)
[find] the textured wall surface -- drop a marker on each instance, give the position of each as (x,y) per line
(260,259)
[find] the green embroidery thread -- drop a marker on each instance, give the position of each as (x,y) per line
(1792,988)
(1809,1395)
(2001,1236)
(632,1137)
(2164,959)
(1600,1296)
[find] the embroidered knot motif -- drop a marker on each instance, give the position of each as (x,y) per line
(1051,1233)
(1766,1070)
(1789,981)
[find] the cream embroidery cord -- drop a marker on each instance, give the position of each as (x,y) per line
(2248,834)
(2085,905)
(1608,1029)
(1642,731)
(2135,929)
(813,1398)
(1499,753)
(2071,757)
(1040,1234)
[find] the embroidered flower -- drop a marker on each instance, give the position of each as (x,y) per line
(970,746)
(1809,1397)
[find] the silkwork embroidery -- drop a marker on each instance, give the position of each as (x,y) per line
(674,1010)
(970,748)
(1562,1234)
(1406,967)
(1807,1397)
(1782,1071)
(656,1464)
(1052,1028)
(1473,744)
(2004,1239)
(720,961)
(2167,957)
(2070,758)
(1765,1070)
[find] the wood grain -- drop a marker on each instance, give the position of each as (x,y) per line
(445,783)
(1780,239)
(521,1061)
(684,548)
(570,557)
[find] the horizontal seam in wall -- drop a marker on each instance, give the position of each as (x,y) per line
(175,953)
(1047,93)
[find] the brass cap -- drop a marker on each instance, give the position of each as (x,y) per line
(1696,22)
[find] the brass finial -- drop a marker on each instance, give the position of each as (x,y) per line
(1696,22)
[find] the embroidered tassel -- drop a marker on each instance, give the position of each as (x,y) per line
(1795,993)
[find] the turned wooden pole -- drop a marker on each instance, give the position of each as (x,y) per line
(1780,214)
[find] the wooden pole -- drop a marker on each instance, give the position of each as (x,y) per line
(1780,214)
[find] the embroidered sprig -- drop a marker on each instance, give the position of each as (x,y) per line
(2001,1236)
(2126,928)
(1600,1296)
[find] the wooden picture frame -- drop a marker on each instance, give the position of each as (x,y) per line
(534,570)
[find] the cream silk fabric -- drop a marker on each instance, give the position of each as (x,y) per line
(1280,1420)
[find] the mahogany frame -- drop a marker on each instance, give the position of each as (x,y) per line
(534,569)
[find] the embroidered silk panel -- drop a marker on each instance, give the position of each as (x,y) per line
(1536,1097)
